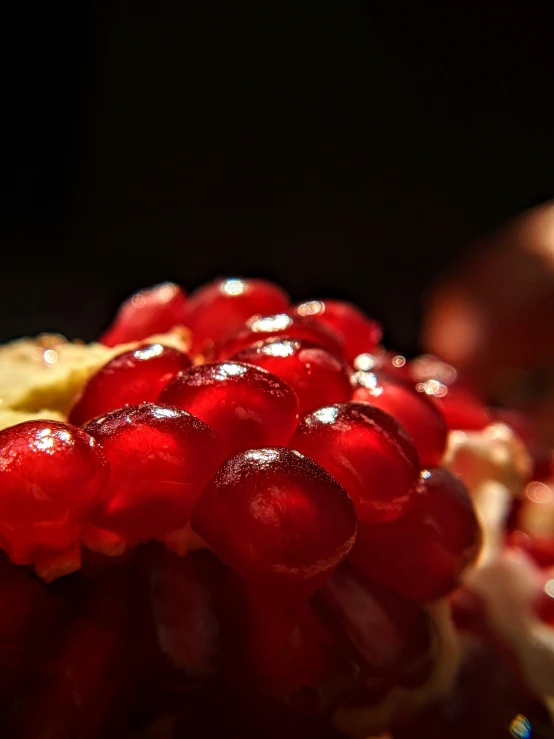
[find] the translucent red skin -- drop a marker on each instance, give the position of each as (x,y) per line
(393,637)
(462,409)
(161,458)
(133,377)
(212,311)
(76,687)
(246,406)
(365,450)
(51,476)
(155,310)
(361,334)
(423,554)
(281,325)
(317,376)
(284,650)
(296,522)
(413,410)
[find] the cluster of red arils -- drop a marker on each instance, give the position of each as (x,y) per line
(268,509)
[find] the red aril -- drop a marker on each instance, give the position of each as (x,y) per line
(136,376)
(219,307)
(316,375)
(392,636)
(284,326)
(423,554)
(360,333)
(246,406)
(384,361)
(181,611)
(155,310)
(284,651)
(161,458)
(413,410)
(367,451)
(51,476)
(277,518)
(540,548)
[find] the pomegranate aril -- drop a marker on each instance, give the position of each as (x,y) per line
(413,410)
(284,651)
(51,476)
(161,458)
(181,610)
(392,635)
(360,333)
(540,548)
(246,406)
(136,376)
(155,310)
(89,663)
(277,518)
(384,361)
(423,554)
(215,309)
(284,326)
(367,451)
(316,375)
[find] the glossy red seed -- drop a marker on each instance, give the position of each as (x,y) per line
(219,307)
(459,406)
(422,554)
(277,518)
(246,406)
(51,476)
(283,326)
(413,410)
(133,377)
(392,635)
(384,361)
(317,377)
(284,651)
(367,451)
(154,310)
(360,333)
(161,458)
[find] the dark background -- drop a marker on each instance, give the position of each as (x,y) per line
(341,149)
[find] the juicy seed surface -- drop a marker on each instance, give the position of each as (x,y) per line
(155,310)
(316,375)
(133,377)
(161,458)
(280,325)
(247,406)
(277,518)
(422,554)
(413,410)
(51,476)
(360,333)
(220,307)
(367,451)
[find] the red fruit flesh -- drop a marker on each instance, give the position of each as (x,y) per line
(360,333)
(413,410)
(423,554)
(367,451)
(51,476)
(277,518)
(392,635)
(77,684)
(181,611)
(222,306)
(155,310)
(136,376)
(284,326)
(246,406)
(161,458)
(284,651)
(317,377)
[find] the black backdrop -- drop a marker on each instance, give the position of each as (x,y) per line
(343,149)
